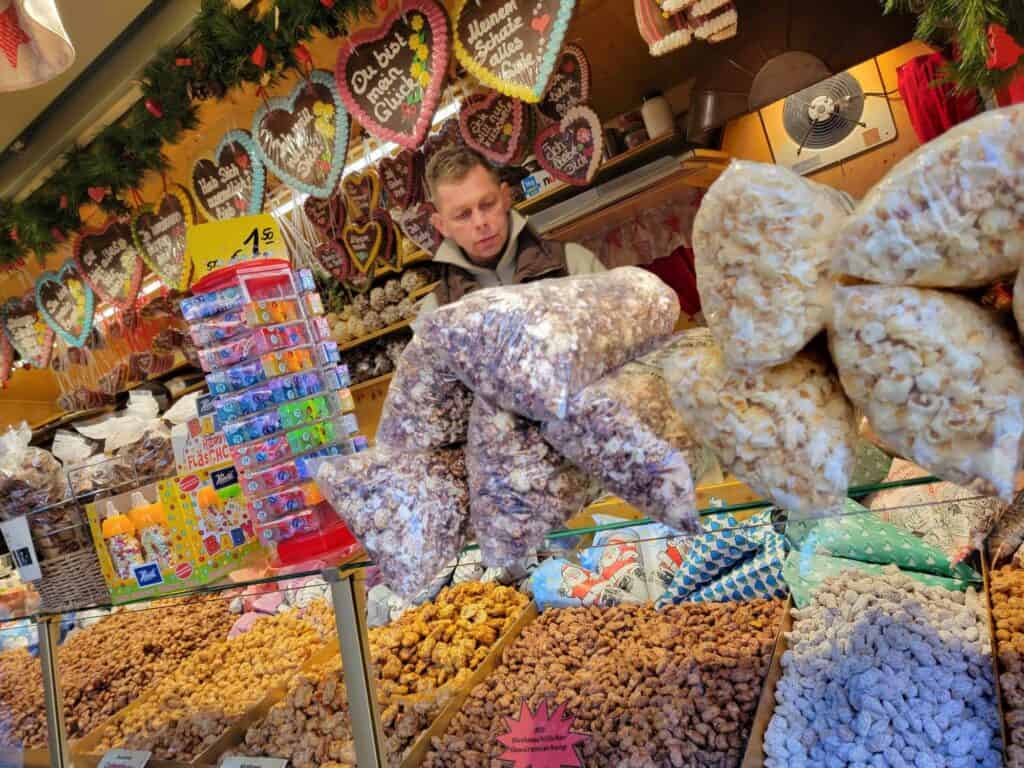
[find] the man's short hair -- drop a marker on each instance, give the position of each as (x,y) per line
(453,164)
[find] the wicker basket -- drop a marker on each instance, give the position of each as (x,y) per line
(71,582)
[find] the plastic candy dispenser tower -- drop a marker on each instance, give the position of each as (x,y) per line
(282,399)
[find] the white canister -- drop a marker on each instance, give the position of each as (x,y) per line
(657,114)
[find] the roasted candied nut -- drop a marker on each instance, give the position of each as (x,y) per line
(520,488)
(912,665)
(427,406)
(947,215)
(762,250)
(408,509)
(624,431)
(672,688)
(788,431)
(938,379)
(530,348)
(22,712)
(190,709)
(1007,594)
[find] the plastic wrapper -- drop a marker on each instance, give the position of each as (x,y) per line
(558,583)
(30,478)
(940,382)
(100,476)
(861,535)
(409,510)
(623,430)
(152,455)
(520,487)
(954,519)
(427,406)
(761,243)
(616,556)
(530,348)
(788,431)
(948,215)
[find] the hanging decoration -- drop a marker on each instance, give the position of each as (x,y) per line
(511,45)
(391,76)
(66,303)
(388,258)
(569,85)
(26,331)
(493,124)
(231,183)
(570,150)
(447,135)
(34,47)
(334,259)
(362,194)
(968,24)
(363,242)
(303,138)
(401,178)
(159,232)
(108,259)
(417,228)
(6,360)
(214,59)
(328,216)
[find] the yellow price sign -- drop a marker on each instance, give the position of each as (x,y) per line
(220,243)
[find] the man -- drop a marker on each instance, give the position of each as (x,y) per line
(487,243)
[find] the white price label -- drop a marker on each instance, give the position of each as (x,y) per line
(19,544)
(253,762)
(124,758)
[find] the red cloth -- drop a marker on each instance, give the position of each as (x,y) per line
(933,106)
(678,272)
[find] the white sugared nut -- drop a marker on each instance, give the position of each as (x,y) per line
(788,431)
(938,379)
(946,216)
(761,243)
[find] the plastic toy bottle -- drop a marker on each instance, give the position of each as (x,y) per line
(124,548)
(211,507)
(150,520)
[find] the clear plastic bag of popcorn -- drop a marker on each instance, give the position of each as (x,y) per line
(520,488)
(427,406)
(409,510)
(530,348)
(946,216)
(788,432)
(624,431)
(761,244)
(939,380)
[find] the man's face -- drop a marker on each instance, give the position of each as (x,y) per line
(473,212)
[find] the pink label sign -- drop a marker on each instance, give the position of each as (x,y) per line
(539,740)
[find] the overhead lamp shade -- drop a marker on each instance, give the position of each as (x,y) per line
(34,47)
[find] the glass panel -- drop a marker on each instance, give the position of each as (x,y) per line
(22,710)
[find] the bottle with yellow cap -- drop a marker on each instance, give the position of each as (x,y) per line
(122,544)
(150,520)
(211,507)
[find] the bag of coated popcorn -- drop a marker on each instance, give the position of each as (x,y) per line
(529,348)
(762,248)
(948,215)
(939,380)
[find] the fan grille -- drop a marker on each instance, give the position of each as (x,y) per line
(838,103)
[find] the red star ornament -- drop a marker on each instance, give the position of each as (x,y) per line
(11,35)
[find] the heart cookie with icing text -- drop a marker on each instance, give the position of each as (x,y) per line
(415,225)
(401,178)
(363,243)
(108,259)
(332,256)
(303,138)
(231,183)
(66,303)
(26,331)
(362,194)
(570,150)
(390,77)
(327,215)
(511,45)
(569,85)
(160,233)
(492,124)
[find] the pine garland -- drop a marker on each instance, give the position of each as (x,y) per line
(218,52)
(966,22)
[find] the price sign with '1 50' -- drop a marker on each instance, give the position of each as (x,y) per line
(220,243)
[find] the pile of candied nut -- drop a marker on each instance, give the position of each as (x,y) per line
(882,670)
(420,659)
(672,688)
(186,712)
(1007,593)
(106,666)
(384,305)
